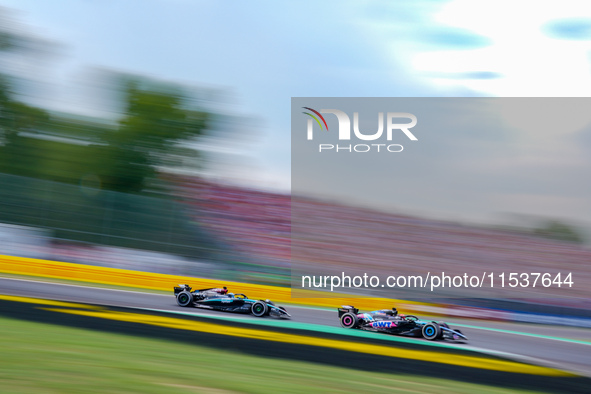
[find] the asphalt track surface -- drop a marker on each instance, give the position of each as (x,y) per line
(566,348)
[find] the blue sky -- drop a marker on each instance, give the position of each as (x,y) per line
(259,54)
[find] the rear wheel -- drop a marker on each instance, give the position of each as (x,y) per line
(184,298)
(259,309)
(349,320)
(431,331)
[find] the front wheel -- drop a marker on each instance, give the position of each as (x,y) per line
(184,298)
(431,331)
(259,309)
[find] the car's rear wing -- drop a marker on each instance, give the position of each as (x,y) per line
(348,309)
(179,288)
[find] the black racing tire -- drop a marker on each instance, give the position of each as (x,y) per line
(349,320)
(431,331)
(259,309)
(184,298)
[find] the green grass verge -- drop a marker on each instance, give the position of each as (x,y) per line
(47,358)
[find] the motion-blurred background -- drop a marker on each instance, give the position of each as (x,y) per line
(155,135)
(156,138)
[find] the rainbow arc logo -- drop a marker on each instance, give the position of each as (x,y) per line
(315,118)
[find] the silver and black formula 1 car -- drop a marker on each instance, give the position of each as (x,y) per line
(220,300)
(390,322)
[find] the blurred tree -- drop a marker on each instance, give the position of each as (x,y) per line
(155,119)
(559,231)
(16,119)
(123,158)
(155,122)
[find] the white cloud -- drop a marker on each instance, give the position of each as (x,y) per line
(531,63)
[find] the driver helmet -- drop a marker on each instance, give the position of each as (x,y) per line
(224,290)
(394,312)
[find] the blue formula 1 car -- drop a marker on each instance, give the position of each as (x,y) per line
(390,322)
(220,300)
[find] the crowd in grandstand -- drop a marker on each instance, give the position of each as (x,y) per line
(331,235)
